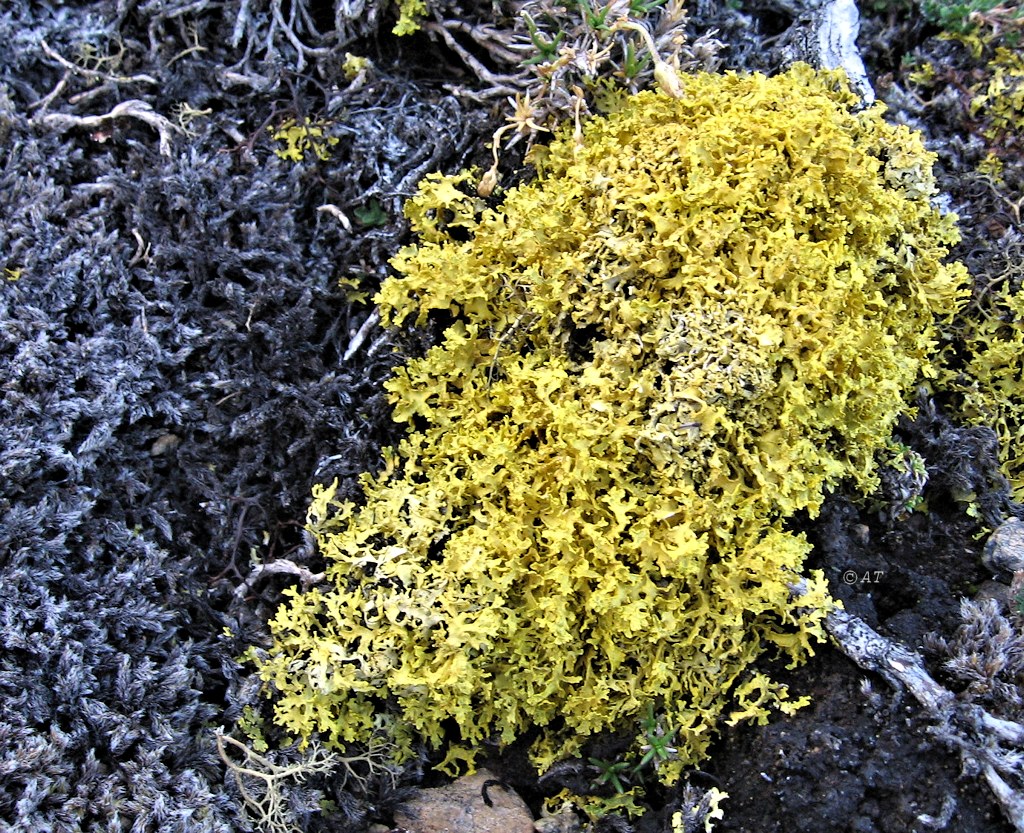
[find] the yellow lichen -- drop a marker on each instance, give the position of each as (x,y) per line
(1001,105)
(992,167)
(705,313)
(990,387)
(409,14)
(700,811)
(353,65)
(301,139)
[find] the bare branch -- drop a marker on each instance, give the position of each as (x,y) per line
(281,566)
(501,84)
(134,108)
(357,340)
(973,730)
(78,69)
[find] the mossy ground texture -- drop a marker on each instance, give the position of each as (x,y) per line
(702,316)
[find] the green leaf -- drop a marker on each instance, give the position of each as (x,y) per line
(371,214)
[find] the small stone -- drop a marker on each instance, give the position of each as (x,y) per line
(1004,551)
(459,807)
(994,590)
(164,443)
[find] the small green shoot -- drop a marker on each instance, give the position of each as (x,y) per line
(658,748)
(634,63)
(612,773)
(547,48)
(640,8)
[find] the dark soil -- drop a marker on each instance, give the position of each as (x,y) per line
(173,340)
(860,758)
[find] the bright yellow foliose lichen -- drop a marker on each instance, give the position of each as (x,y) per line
(695,322)
(299,139)
(1001,106)
(410,12)
(990,389)
(353,65)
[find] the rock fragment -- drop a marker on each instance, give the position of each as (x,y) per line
(478,803)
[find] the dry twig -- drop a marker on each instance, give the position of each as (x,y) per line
(134,108)
(993,746)
(361,334)
(281,566)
